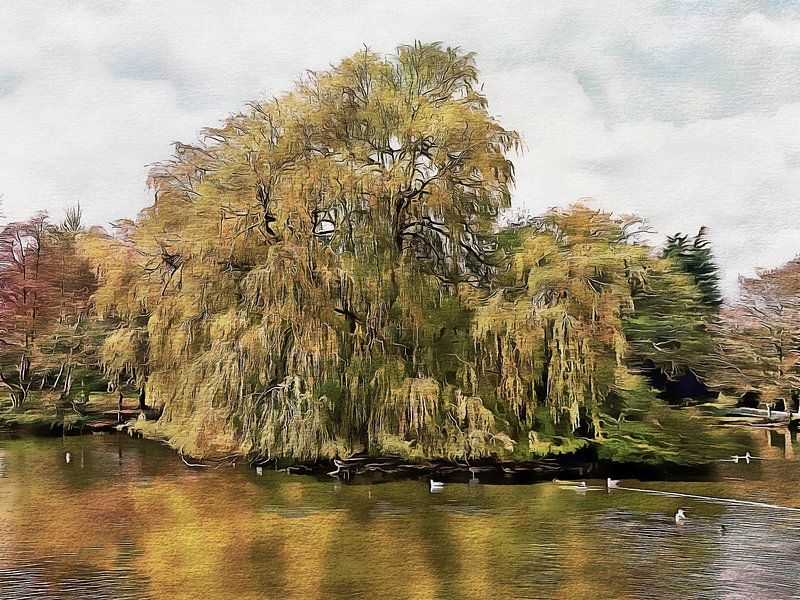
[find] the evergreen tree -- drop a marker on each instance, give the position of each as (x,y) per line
(696,258)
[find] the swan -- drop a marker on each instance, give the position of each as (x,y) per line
(436,485)
(680,516)
(259,470)
(68,457)
(611,483)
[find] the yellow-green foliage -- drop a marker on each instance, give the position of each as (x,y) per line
(554,333)
(324,274)
(299,271)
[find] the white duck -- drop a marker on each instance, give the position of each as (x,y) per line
(436,486)
(680,516)
(611,483)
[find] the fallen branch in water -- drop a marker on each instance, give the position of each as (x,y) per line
(188,464)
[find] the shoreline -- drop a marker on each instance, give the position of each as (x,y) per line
(362,468)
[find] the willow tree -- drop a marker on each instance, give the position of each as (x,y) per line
(120,307)
(300,268)
(324,273)
(552,338)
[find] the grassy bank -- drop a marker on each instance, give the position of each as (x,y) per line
(44,412)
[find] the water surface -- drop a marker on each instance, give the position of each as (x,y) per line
(127,519)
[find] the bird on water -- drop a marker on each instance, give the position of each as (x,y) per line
(578,486)
(746,458)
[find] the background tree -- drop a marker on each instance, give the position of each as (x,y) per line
(21,295)
(696,258)
(66,349)
(758,337)
(44,300)
(120,312)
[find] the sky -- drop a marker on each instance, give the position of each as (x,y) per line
(684,113)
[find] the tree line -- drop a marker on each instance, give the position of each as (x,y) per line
(328,272)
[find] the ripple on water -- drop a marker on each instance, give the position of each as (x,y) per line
(127,519)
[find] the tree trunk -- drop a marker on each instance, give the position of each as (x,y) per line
(18,396)
(142,405)
(17,391)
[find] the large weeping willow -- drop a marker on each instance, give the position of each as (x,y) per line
(323,274)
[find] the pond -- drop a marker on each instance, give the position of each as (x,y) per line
(126,518)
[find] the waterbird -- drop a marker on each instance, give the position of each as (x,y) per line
(259,470)
(562,482)
(436,485)
(611,483)
(68,457)
(582,488)
(747,458)
(680,516)
(579,486)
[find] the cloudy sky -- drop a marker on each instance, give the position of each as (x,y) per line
(685,113)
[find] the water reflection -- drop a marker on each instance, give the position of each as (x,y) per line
(127,519)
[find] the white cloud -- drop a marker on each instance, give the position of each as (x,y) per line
(686,115)
(771,32)
(737,175)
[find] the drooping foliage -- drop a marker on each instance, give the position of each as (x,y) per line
(576,315)
(300,268)
(120,306)
(325,273)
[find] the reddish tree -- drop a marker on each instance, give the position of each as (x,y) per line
(44,296)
